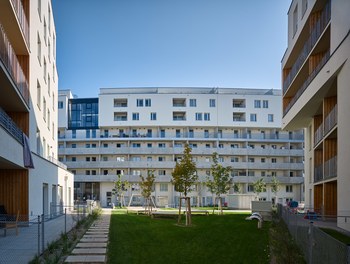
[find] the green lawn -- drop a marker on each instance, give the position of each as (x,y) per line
(211,239)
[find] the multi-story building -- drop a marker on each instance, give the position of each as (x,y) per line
(128,131)
(316,95)
(31,179)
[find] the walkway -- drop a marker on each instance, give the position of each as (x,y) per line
(92,248)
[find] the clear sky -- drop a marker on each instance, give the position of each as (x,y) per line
(169,43)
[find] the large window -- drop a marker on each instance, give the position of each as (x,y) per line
(148,102)
(207,116)
(257,104)
(265,104)
(139,102)
(83,113)
(270,117)
(253,117)
(198,116)
(193,102)
(212,103)
(153,116)
(135,116)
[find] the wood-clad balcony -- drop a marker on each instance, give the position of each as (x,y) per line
(14,18)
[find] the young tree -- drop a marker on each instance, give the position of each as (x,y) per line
(220,182)
(119,187)
(275,186)
(146,189)
(184,178)
(259,186)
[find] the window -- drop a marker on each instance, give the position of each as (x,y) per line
(87,145)
(263,160)
(39,48)
(153,116)
(207,116)
(161,159)
(161,172)
(105,172)
(44,108)
(74,133)
(136,145)
(149,158)
(257,104)
(162,133)
(289,188)
(251,160)
(263,173)
(87,172)
(221,145)
(105,145)
(250,188)
(270,118)
(161,145)
(104,158)
(120,158)
(212,103)
(149,145)
(265,104)
(193,102)
(139,102)
(74,159)
(38,94)
(136,158)
(206,133)
(221,159)
(273,160)
(60,104)
(93,133)
(295,20)
(87,133)
(87,158)
(198,116)
(135,116)
(253,117)
(234,159)
(163,187)
(148,102)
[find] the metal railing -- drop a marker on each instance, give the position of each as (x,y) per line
(22,18)
(9,59)
(10,126)
(315,34)
(317,245)
(331,119)
(307,82)
(330,168)
(318,173)
(318,134)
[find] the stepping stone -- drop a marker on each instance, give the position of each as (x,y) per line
(94,235)
(86,251)
(94,239)
(86,259)
(91,245)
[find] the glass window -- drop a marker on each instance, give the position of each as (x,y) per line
(253,117)
(148,102)
(60,104)
(163,187)
(265,104)
(139,102)
(153,116)
(193,102)
(270,117)
(212,103)
(198,116)
(257,104)
(135,116)
(207,116)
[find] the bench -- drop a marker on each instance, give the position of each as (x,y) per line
(176,213)
(9,222)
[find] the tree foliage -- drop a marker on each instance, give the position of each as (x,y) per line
(259,186)
(220,182)
(275,186)
(146,188)
(119,187)
(184,178)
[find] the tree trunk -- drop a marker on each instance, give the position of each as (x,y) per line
(220,206)
(179,218)
(214,205)
(189,220)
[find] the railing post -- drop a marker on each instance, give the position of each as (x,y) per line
(43,232)
(38,235)
(65,220)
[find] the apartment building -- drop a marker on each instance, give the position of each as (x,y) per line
(31,178)
(127,131)
(316,96)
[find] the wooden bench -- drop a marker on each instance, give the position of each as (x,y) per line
(8,222)
(176,213)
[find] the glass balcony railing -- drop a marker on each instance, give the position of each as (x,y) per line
(316,32)
(10,126)
(318,173)
(9,59)
(330,167)
(330,120)
(318,134)
(22,18)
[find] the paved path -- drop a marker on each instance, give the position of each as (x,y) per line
(92,247)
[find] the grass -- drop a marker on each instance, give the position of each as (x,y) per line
(337,235)
(211,239)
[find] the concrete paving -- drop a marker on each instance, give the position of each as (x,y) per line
(92,247)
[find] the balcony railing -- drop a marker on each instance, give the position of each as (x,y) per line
(21,16)
(330,120)
(318,134)
(10,126)
(307,82)
(330,168)
(308,45)
(9,59)
(318,173)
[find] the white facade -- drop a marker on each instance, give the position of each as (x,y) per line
(28,81)
(316,97)
(147,128)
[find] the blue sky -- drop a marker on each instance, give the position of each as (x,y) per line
(169,43)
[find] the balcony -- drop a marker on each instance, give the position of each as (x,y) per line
(306,83)
(318,135)
(318,173)
(330,120)
(10,126)
(330,168)
(9,59)
(315,34)
(14,18)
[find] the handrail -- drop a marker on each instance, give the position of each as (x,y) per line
(9,59)
(10,126)
(315,34)
(22,18)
